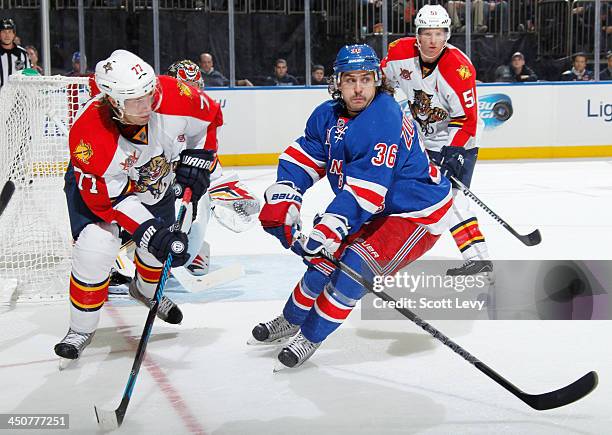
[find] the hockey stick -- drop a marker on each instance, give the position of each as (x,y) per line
(6,195)
(530,239)
(109,420)
(212,279)
(553,399)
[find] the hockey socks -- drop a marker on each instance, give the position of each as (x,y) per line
(330,309)
(304,295)
(469,239)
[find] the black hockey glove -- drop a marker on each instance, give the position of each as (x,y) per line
(452,161)
(193,171)
(160,241)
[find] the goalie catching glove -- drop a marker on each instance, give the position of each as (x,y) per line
(160,241)
(234,206)
(328,232)
(280,215)
(193,171)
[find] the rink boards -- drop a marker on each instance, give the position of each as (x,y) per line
(538,120)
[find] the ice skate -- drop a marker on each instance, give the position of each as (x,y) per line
(117,279)
(276,331)
(71,346)
(168,311)
(295,353)
(474,267)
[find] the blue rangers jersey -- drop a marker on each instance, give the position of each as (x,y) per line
(375,163)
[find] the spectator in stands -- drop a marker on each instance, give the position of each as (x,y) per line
(522,15)
(281,77)
(212,77)
(13,58)
(606,74)
(317,76)
(76,65)
(578,73)
(520,71)
(33,56)
(456,10)
(496,15)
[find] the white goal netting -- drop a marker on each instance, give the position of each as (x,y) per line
(35,240)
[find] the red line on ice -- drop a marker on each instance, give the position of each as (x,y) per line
(173,396)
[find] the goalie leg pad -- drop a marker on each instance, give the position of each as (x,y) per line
(197,233)
(92,258)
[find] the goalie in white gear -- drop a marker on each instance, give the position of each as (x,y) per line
(122,168)
(228,199)
(232,203)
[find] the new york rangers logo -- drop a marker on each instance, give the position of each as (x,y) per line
(336,169)
(341,126)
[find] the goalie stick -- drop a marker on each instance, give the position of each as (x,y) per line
(212,279)
(544,401)
(5,196)
(530,239)
(109,420)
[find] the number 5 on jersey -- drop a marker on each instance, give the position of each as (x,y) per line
(468,98)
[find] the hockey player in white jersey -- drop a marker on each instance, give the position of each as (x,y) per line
(440,84)
(231,202)
(121,172)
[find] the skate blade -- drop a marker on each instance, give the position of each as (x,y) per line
(252,341)
(279,367)
(65,363)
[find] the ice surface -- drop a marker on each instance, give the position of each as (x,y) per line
(374,377)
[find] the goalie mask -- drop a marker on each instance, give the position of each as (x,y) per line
(188,72)
(130,83)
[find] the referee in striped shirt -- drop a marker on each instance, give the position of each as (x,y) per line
(13,58)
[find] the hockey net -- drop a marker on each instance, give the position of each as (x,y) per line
(36,114)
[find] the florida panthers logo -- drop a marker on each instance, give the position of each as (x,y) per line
(151,176)
(424,114)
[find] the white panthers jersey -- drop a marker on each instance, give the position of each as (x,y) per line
(118,169)
(442,98)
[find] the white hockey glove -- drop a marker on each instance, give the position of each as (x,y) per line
(233,204)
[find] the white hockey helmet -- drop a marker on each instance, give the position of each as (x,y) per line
(432,17)
(124,76)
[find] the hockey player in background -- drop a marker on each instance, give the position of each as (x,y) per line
(440,83)
(389,208)
(231,202)
(127,146)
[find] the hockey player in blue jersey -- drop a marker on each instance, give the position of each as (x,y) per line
(390,203)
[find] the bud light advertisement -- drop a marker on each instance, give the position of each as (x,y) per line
(494,109)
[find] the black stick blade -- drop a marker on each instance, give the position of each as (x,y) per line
(564,396)
(6,194)
(531,239)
